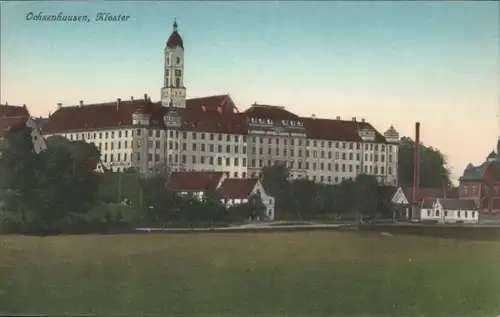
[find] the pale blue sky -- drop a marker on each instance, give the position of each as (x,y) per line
(390,62)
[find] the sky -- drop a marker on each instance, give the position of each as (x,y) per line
(394,62)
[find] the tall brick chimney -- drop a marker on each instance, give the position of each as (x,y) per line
(416,161)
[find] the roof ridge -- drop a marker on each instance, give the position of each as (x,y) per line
(211,96)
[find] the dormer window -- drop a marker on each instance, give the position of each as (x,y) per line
(269,121)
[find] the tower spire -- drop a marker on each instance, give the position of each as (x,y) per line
(175,24)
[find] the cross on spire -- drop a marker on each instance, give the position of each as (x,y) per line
(175,24)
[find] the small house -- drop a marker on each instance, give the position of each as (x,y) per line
(233,191)
(449,210)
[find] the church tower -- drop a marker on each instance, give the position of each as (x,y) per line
(173,93)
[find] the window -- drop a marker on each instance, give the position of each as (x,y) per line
(178,82)
(178,73)
(178,60)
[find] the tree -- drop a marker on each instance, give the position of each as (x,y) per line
(257,209)
(157,199)
(347,197)
(367,195)
(434,172)
(18,170)
(212,207)
(67,184)
(302,197)
(275,181)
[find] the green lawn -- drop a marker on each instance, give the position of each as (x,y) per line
(308,273)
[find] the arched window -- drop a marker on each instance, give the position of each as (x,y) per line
(178,60)
(178,82)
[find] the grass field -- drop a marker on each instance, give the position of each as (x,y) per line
(293,273)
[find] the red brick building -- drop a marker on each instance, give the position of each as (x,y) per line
(482,183)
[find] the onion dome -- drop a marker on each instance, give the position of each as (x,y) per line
(175,39)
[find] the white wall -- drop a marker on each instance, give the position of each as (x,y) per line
(449,216)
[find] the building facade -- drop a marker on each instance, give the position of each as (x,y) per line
(482,183)
(211,134)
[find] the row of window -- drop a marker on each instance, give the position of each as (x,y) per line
(228,138)
(474,190)
(322,144)
(290,152)
(98,135)
(119,158)
(277,141)
(242,162)
(436,213)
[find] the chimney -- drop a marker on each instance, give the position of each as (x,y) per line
(363,120)
(416,161)
(338,117)
(6,103)
(118,103)
(313,116)
(24,106)
(59,105)
(81,103)
(132,98)
(353,119)
(145,97)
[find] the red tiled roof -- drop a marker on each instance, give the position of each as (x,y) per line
(10,124)
(237,187)
(110,115)
(194,181)
(338,130)
(12,118)
(224,102)
(208,114)
(270,112)
(424,193)
(13,111)
(95,116)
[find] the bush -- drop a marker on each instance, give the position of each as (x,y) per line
(9,225)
